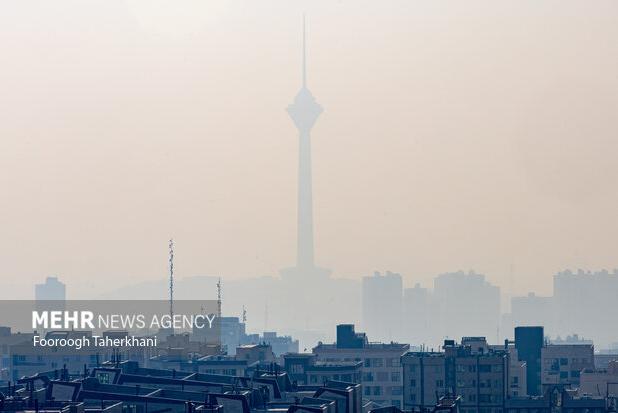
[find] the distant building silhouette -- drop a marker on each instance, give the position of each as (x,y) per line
(465,304)
(382,305)
(583,303)
(532,310)
(416,310)
(51,290)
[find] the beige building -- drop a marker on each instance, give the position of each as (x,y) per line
(472,370)
(517,375)
(600,382)
(563,363)
(252,353)
(381,371)
(424,376)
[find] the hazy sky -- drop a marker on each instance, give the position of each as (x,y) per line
(456,135)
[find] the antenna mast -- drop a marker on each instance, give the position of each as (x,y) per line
(304,53)
(244,315)
(171,263)
(219,298)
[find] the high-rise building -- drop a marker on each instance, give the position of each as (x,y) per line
(416,311)
(382,309)
(529,344)
(465,303)
(585,303)
(532,310)
(52,290)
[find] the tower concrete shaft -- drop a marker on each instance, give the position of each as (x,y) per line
(304,112)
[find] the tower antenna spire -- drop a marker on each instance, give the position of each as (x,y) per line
(171,264)
(304,52)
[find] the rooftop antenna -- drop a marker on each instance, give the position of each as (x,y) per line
(244,314)
(219,298)
(304,53)
(171,263)
(266,317)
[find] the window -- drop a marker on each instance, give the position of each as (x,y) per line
(396,376)
(296,368)
(564,374)
(564,361)
(575,373)
(103,377)
(413,397)
(516,380)
(18,358)
(396,391)
(367,391)
(382,376)
(377,362)
(377,390)
(439,383)
(485,368)
(413,383)
(368,376)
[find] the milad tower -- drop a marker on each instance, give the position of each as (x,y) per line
(305,111)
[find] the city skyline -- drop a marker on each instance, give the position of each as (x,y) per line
(294,206)
(421,174)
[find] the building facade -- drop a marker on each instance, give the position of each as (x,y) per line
(381,363)
(471,370)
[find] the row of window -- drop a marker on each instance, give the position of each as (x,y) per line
(379,390)
(382,376)
(439,383)
(380,362)
(315,379)
(574,374)
(483,368)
